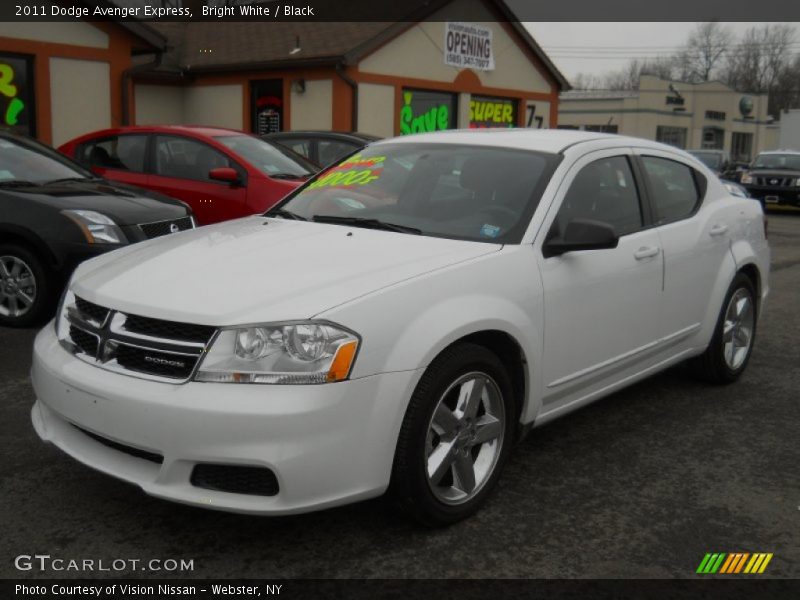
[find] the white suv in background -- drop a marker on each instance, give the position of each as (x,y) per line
(402,318)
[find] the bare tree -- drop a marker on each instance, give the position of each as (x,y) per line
(760,58)
(763,62)
(627,78)
(705,49)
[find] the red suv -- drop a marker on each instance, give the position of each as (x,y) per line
(221,173)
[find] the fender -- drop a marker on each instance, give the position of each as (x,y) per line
(9,232)
(423,316)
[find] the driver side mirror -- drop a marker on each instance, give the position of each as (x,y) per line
(582,234)
(225,174)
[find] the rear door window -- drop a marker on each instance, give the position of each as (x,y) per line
(123,153)
(673,188)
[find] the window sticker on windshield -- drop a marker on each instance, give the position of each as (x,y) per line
(491,231)
(354,171)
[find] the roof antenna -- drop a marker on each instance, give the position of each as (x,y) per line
(296,48)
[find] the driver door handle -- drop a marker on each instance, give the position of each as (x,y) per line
(646,252)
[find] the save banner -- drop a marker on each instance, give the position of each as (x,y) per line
(426,111)
(468,45)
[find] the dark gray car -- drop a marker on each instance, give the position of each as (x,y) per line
(55,214)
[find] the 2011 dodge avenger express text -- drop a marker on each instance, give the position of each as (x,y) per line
(402,318)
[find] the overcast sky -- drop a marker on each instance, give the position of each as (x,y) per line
(597,48)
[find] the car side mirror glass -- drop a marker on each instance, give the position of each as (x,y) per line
(226,174)
(582,234)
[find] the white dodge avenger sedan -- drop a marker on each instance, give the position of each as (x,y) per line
(400,321)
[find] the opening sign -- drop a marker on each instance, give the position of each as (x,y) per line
(468,45)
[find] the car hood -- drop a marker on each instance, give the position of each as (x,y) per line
(127,205)
(256,270)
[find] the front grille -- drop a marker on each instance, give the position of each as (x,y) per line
(169,329)
(775,181)
(130,450)
(153,362)
(85,342)
(235,479)
(136,345)
(90,311)
(153,230)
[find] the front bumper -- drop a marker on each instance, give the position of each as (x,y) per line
(784,195)
(327,444)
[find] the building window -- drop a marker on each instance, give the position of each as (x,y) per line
(741,146)
(485,111)
(674,136)
(16,93)
(601,128)
(713,138)
(266,106)
(715,115)
(425,111)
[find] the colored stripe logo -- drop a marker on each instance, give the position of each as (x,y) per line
(733,563)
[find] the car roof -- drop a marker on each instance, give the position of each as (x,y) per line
(197,130)
(364,137)
(552,141)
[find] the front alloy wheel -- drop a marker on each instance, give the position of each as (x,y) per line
(25,287)
(17,287)
(465,437)
(456,436)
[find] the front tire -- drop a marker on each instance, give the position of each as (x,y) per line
(456,436)
(727,355)
(25,288)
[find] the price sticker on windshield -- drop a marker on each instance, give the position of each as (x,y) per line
(354,171)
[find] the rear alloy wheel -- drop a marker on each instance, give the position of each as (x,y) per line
(22,287)
(728,353)
(456,436)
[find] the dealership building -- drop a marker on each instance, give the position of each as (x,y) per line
(461,63)
(707,115)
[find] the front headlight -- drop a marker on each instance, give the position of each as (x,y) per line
(285,353)
(62,322)
(96,227)
(747,178)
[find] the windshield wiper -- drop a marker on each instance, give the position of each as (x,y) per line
(287,176)
(366,223)
(18,183)
(286,214)
(70,179)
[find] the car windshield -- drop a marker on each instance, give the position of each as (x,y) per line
(783,162)
(710,159)
(272,160)
(30,162)
(465,192)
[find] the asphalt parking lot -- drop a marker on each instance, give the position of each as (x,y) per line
(641,484)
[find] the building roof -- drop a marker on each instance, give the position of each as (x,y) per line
(598,94)
(203,46)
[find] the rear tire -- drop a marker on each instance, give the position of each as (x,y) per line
(456,436)
(25,287)
(727,355)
